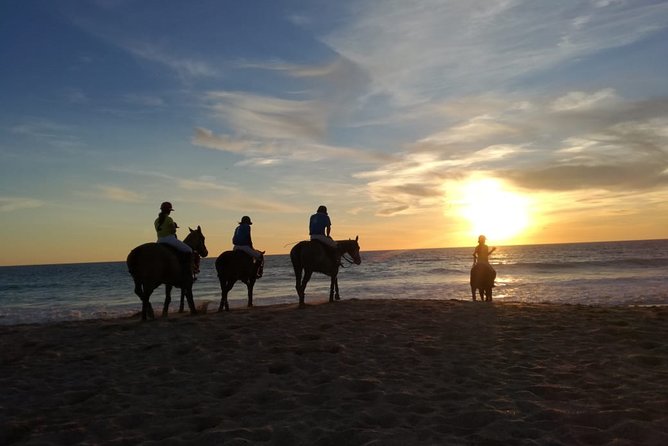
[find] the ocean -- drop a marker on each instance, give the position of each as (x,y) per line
(606,273)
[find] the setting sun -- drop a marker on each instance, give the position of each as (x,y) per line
(492,209)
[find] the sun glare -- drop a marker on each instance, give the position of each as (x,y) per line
(493,210)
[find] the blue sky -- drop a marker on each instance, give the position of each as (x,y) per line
(382,110)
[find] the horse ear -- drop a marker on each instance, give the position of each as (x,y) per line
(199,228)
(190,229)
(357,237)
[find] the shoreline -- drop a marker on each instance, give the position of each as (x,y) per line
(353,372)
(239,304)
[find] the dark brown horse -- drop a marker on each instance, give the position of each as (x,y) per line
(237,265)
(482,279)
(311,256)
(153,264)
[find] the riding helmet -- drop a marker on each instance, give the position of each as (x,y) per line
(166,206)
(322,209)
(246,219)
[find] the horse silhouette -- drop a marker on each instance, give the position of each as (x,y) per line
(311,256)
(237,265)
(153,264)
(482,280)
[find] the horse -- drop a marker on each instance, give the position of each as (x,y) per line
(237,265)
(311,256)
(482,279)
(153,264)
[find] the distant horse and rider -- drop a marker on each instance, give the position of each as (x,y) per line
(482,273)
(321,254)
(243,263)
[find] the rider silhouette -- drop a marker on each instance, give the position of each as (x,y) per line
(482,251)
(320,226)
(242,238)
(165,229)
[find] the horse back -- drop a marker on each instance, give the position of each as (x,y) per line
(154,262)
(311,254)
(233,265)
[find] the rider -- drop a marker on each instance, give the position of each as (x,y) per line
(319,228)
(166,232)
(242,239)
(482,251)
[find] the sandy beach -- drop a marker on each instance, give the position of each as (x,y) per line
(356,372)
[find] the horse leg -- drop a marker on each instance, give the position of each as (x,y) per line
(191,301)
(168,300)
(302,288)
(334,286)
(250,285)
(473,290)
(225,287)
(144,292)
(298,282)
(183,299)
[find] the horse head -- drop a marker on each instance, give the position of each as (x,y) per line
(260,267)
(196,241)
(352,248)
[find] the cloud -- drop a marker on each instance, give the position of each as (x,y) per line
(9,204)
(205,183)
(578,145)
(50,132)
(413,51)
(269,117)
(265,153)
(247,203)
(579,100)
(144,100)
(119,194)
(185,67)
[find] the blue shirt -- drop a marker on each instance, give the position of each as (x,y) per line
(242,235)
(318,223)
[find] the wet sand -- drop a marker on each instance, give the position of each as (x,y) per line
(356,372)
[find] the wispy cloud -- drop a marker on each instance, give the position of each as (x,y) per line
(205,183)
(269,117)
(265,152)
(119,194)
(9,204)
(413,50)
(135,42)
(185,66)
(50,132)
(589,141)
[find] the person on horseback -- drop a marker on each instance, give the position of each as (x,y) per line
(482,251)
(165,228)
(320,227)
(242,239)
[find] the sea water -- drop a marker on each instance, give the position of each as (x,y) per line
(608,273)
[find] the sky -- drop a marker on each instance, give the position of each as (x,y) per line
(418,123)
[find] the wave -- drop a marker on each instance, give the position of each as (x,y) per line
(617,263)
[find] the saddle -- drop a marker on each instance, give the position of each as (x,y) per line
(190,263)
(329,251)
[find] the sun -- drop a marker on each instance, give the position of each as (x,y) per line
(492,209)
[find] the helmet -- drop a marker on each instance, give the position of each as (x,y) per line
(481,239)
(246,219)
(166,206)
(322,209)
